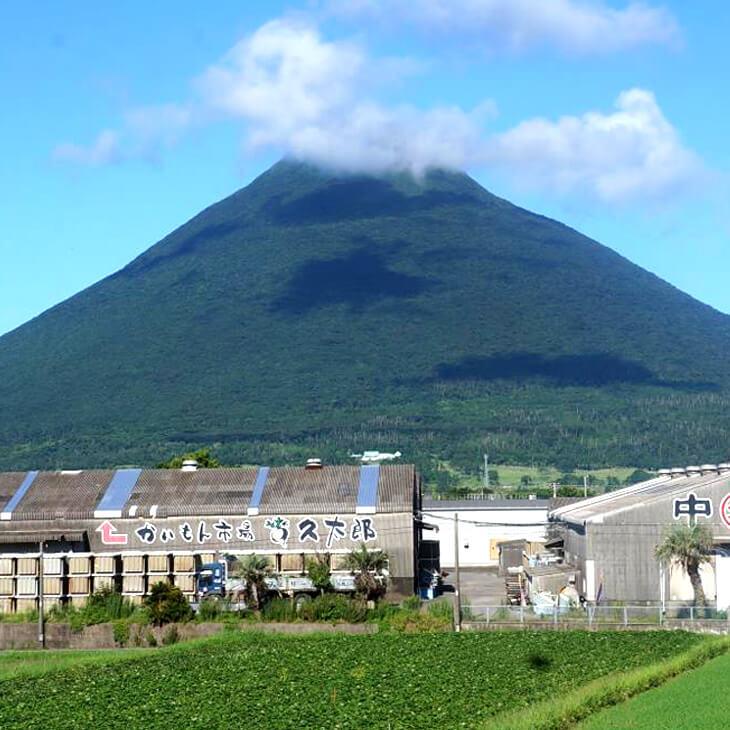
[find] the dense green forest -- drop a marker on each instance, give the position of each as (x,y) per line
(316,314)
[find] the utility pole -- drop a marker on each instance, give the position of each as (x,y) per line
(41,632)
(457,593)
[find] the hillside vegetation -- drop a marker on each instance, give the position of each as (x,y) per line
(311,314)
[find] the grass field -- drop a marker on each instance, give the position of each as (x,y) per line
(19,664)
(511,476)
(697,700)
(383,681)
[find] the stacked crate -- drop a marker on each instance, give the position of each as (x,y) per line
(158,569)
(79,578)
(291,563)
(183,573)
(7,584)
(26,583)
(105,572)
(54,581)
(134,582)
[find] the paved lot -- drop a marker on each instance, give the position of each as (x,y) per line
(479,586)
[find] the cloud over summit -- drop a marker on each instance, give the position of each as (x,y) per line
(295,92)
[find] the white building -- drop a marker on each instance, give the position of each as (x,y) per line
(483,524)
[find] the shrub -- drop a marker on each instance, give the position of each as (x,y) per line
(318,570)
(412,603)
(166,604)
(209,610)
(279,609)
(150,638)
(332,607)
(171,635)
(121,632)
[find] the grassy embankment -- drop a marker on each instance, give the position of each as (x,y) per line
(386,680)
(698,700)
(583,702)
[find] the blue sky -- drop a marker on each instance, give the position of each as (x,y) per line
(121,122)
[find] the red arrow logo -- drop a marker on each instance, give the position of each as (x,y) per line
(109,534)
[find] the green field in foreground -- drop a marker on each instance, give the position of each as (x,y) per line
(697,700)
(33,663)
(384,681)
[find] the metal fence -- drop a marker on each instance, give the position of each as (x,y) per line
(597,616)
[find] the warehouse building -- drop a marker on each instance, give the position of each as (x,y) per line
(483,525)
(129,528)
(611,538)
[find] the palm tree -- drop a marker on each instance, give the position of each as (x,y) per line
(253,570)
(369,568)
(690,547)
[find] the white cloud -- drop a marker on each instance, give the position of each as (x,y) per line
(573,26)
(104,150)
(632,153)
(298,94)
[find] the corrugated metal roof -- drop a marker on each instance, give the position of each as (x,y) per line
(9,483)
(297,490)
(172,492)
(396,490)
(201,492)
(72,495)
(636,495)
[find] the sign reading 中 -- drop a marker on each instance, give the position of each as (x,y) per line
(691,507)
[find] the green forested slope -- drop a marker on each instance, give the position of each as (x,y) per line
(314,313)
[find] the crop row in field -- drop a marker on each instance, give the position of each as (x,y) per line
(382,681)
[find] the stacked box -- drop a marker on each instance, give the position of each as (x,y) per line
(6,566)
(25,604)
(26,586)
(79,585)
(78,601)
(6,605)
(292,562)
(134,584)
(52,585)
(183,563)
(106,564)
(133,563)
(79,565)
(50,602)
(7,587)
(136,599)
(207,557)
(27,566)
(104,582)
(52,565)
(158,563)
(185,582)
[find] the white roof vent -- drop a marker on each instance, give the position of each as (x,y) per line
(664,472)
(313,464)
(693,470)
(709,468)
(678,472)
(189,465)
(724,467)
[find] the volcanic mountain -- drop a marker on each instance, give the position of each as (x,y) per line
(313,313)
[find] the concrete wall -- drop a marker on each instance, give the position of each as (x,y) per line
(101,636)
(477,542)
